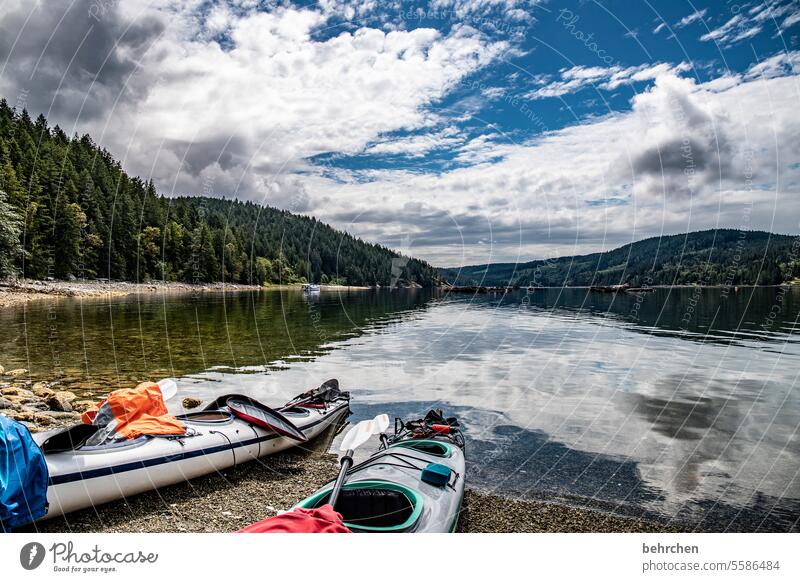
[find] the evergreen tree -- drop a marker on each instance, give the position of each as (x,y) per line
(10,227)
(82,215)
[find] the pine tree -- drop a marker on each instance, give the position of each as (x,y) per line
(10,228)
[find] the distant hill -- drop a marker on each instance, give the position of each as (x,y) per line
(68,209)
(710,257)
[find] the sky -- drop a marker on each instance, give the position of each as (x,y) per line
(458,131)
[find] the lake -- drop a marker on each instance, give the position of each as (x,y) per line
(680,405)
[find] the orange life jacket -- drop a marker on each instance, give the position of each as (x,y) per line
(138,411)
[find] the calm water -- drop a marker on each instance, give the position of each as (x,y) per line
(678,404)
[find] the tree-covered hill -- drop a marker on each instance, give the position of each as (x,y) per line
(67,208)
(711,257)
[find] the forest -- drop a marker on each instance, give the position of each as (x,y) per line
(69,210)
(710,257)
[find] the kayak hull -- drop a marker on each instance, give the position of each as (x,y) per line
(408,503)
(90,476)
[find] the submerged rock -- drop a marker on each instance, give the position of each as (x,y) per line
(17,372)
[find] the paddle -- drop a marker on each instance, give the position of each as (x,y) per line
(168,387)
(354,438)
(326,388)
(261,415)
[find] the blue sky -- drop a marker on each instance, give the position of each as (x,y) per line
(458,131)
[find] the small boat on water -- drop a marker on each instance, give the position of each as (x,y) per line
(413,483)
(228,432)
(311,288)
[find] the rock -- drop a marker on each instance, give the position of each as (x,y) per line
(21,415)
(2,370)
(82,405)
(190,403)
(61,401)
(17,372)
(6,404)
(43,420)
(20,400)
(17,391)
(42,390)
(60,415)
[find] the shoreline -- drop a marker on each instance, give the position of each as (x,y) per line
(14,293)
(223,503)
(17,292)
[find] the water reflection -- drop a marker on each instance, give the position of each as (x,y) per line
(101,344)
(679,403)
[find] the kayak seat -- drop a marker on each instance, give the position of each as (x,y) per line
(374,506)
(381,508)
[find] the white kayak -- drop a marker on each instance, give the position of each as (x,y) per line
(215,440)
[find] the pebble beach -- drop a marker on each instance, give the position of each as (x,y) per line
(228,502)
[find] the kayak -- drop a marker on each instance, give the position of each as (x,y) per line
(413,483)
(215,439)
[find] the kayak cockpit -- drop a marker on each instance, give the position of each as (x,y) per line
(429,447)
(374,506)
(207,416)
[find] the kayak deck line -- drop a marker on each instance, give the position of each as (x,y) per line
(414,482)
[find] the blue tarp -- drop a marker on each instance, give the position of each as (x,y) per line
(23,476)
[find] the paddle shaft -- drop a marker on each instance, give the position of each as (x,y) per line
(347,462)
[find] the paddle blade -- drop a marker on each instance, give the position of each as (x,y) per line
(361,432)
(382,422)
(168,387)
(256,413)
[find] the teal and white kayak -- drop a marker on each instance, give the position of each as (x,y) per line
(413,483)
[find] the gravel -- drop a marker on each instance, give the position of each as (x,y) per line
(17,291)
(228,502)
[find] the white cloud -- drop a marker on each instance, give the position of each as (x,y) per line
(244,117)
(791,20)
(785,63)
(727,31)
(417,145)
(687,156)
(607,78)
(747,24)
(691,18)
